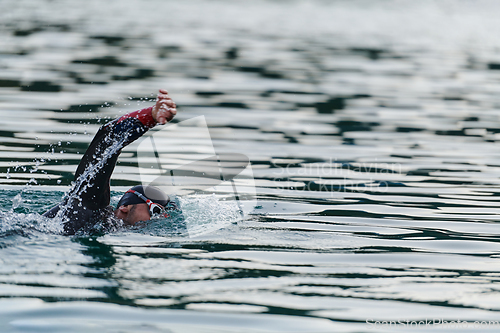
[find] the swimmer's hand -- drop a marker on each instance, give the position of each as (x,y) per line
(164,109)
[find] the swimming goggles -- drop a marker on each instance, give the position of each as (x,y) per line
(154,208)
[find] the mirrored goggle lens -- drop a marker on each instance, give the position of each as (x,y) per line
(156,209)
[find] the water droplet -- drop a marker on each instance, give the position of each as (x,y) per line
(16,201)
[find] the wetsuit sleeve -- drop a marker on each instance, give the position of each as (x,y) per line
(92,177)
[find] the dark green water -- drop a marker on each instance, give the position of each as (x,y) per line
(372,132)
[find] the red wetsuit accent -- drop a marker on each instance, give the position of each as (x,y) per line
(145,116)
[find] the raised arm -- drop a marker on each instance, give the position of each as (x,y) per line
(92,178)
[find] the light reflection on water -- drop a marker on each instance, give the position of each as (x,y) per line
(372,131)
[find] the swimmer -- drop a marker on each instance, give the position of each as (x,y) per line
(86,208)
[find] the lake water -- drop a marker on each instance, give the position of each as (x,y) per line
(371,203)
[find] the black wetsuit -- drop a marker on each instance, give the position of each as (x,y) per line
(86,207)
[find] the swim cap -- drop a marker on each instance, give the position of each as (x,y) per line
(153,193)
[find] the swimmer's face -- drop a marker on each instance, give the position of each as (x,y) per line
(131,214)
